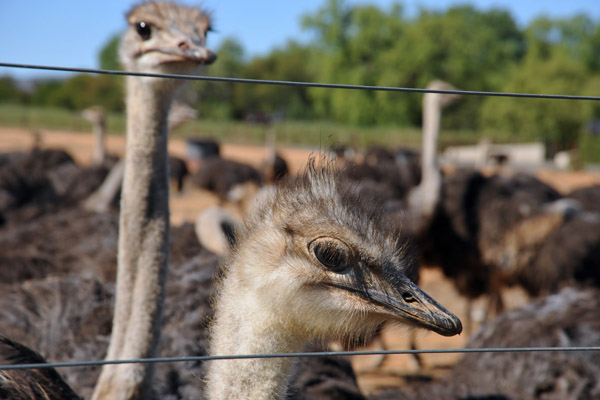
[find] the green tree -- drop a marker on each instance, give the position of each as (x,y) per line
(556,121)
(81,91)
(559,60)
(466,47)
(43,90)
(10,91)
(289,63)
(109,54)
(366,45)
(349,41)
(577,36)
(218,99)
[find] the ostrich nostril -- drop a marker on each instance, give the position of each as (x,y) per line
(183,46)
(408,298)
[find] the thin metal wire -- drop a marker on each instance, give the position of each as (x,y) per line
(301,84)
(301,354)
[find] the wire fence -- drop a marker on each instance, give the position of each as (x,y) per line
(303,84)
(299,354)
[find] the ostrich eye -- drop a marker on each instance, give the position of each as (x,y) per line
(332,256)
(144,30)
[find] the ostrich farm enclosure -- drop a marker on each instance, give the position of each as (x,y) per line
(185,207)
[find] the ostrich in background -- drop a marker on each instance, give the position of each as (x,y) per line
(570,318)
(179,115)
(486,232)
(161,38)
(386,174)
(424,198)
(106,195)
(97,117)
(587,197)
(274,167)
(31,384)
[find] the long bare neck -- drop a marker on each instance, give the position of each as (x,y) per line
(431,129)
(423,199)
(143,245)
(245,324)
(99,148)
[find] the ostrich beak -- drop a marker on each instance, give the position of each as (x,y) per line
(411,303)
(188,51)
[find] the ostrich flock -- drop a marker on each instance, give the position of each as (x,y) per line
(91,268)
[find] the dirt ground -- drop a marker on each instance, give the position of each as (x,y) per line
(185,207)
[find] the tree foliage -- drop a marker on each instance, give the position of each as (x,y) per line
(109,55)
(558,61)
(9,90)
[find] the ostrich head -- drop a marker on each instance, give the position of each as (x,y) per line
(325,255)
(314,261)
(166,38)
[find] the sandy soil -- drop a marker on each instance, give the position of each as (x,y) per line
(185,207)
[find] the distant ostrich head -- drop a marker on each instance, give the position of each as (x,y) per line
(166,38)
(441,99)
(95,114)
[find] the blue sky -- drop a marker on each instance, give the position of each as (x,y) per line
(71,32)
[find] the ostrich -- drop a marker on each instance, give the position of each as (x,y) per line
(35,384)
(97,117)
(313,261)
(230,180)
(569,318)
(42,181)
(386,174)
(179,115)
(274,166)
(177,171)
(485,232)
(161,38)
(24,177)
(588,198)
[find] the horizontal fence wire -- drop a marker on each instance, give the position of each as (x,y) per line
(300,84)
(301,354)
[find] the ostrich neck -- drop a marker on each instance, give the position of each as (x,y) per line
(99,151)
(424,198)
(431,129)
(143,244)
(246,325)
